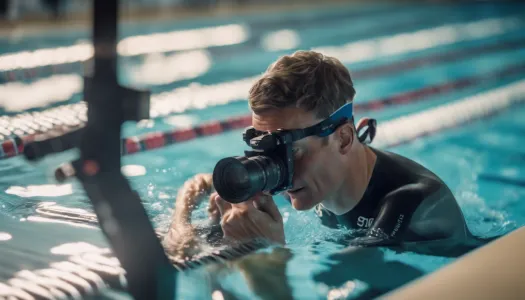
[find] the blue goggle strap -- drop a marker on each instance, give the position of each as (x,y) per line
(328,126)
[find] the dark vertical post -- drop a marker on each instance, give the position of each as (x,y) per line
(118,208)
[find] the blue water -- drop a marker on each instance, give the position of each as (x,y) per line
(481,162)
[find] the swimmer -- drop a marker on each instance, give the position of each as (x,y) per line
(390,200)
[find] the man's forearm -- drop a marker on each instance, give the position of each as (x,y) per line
(181,240)
(189,196)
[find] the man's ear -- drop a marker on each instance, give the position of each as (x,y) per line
(345,137)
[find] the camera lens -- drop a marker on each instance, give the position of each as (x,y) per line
(236,179)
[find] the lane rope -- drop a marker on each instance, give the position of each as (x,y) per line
(15,146)
(185,98)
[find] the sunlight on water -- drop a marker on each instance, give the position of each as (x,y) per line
(43,57)
(133,170)
(4,236)
(160,69)
(281,40)
(46,190)
(39,93)
(135,45)
(418,40)
(181,121)
(37,219)
(348,288)
(313,265)
(183,40)
(77,248)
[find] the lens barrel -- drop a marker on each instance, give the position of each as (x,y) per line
(237,179)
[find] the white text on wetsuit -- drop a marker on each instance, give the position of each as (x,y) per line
(364,222)
(398,225)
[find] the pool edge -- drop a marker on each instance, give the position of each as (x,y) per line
(491,272)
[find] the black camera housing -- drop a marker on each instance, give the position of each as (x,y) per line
(267,168)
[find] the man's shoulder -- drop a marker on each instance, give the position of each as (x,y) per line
(406,171)
(400,179)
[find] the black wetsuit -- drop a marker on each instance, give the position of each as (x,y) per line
(406,206)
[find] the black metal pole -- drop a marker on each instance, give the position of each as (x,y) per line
(118,208)
(120,213)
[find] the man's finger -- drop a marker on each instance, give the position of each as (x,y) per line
(222,205)
(211,202)
(266,204)
(246,205)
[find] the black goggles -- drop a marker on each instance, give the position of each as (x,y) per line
(264,140)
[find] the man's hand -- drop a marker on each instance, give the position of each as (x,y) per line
(258,217)
(214,215)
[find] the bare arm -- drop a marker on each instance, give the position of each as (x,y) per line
(190,195)
(181,240)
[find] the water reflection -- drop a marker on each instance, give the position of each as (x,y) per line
(181,121)
(151,43)
(217,295)
(419,40)
(354,273)
(183,40)
(345,291)
(44,190)
(281,40)
(133,170)
(159,69)
(366,265)
(50,212)
(4,236)
(77,248)
(51,220)
(45,57)
(40,92)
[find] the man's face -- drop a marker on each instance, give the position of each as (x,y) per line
(317,161)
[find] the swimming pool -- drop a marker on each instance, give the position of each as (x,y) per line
(480,161)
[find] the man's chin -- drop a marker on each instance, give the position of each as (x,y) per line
(302,205)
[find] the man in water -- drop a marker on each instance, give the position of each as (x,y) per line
(389,200)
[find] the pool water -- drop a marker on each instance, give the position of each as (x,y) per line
(481,162)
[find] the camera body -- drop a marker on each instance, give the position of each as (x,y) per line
(268,167)
(277,146)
